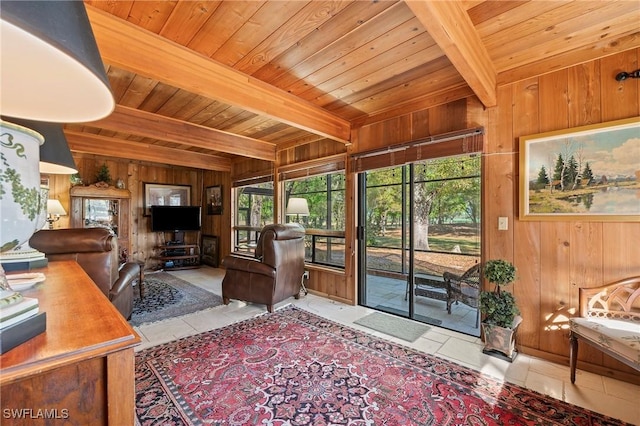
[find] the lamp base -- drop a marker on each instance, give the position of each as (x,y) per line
(23,259)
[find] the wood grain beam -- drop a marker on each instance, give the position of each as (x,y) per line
(141,123)
(135,49)
(120,148)
(418,104)
(451,28)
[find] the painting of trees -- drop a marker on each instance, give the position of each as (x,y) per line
(591,169)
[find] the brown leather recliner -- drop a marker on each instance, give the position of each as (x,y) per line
(276,272)
(96,250)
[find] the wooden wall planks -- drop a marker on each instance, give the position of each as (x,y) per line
(135,174)
(554,259)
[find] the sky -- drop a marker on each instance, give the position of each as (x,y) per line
(611,153)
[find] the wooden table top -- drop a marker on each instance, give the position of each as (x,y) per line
(81,324)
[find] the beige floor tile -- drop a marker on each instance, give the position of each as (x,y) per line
(547,385)
(463,352)
(427,345)
(165,331)
(517,371)
(436,335)
(628,411)
(623,390)
(208,319)
(550,369)
(586,380)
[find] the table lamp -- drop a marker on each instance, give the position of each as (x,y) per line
(298,207)
(54,210)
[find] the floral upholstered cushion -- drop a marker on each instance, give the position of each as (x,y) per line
(620,337)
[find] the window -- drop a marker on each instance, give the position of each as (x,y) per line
(447,205)
(254,209)
(445,215)
(325,195)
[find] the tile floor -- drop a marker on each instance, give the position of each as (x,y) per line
(602,394)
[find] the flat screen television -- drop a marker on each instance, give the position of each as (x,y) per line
(175,218)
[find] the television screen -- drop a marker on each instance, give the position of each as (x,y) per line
(175,218)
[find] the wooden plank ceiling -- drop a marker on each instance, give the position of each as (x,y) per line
(223,79)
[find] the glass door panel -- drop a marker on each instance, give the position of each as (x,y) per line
(446,238)
(419,221)
(384,256)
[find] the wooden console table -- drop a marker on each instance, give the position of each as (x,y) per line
(81,369)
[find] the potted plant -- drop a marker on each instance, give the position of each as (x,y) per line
(500,312)
(103,176)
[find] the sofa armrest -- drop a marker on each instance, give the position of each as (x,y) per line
(248,265)
(128,273)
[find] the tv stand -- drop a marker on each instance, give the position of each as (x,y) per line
(178,237)
(174,255)
(178,256)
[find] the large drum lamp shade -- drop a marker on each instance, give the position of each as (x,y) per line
(51,68)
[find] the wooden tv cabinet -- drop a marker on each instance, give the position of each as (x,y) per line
(81,369)
(178,256)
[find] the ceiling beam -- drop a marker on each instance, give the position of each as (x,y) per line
(451,28)
(141,123)
(135,49)
(120,148)
(418,104)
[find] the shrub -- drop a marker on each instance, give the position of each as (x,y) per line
(499,307)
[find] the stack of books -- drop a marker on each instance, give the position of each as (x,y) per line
(20,319)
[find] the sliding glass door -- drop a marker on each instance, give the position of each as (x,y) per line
(384,239)
(416,222)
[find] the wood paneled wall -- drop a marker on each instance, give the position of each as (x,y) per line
(219,225)
(554,259)
(135,174)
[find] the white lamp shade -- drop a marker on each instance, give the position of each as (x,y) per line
(298,206)
(51,68)
(54,207)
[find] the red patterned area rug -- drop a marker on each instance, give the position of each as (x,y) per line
(296,368)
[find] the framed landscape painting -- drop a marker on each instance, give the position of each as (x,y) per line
(158,194)
(589,173)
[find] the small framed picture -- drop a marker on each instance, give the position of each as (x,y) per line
(214,199)
(210,250)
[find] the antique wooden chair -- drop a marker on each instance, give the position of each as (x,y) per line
(609,320)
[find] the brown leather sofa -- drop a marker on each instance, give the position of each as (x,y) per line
(276,272)
(96,250)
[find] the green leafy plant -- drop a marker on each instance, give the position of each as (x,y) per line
(499,307)
(103,174)
(75,179)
